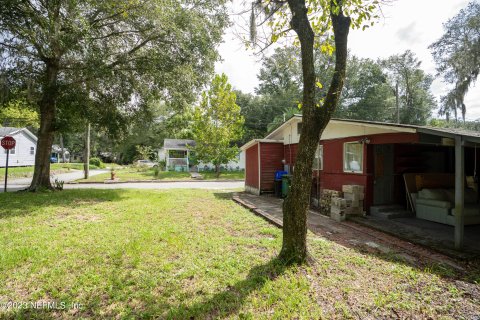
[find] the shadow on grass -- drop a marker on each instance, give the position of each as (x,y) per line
(25,203)
(365,243)
(389,253)
(229,301)
(224,195)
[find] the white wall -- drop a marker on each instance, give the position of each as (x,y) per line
(240,163)
(22,156)
(335,130)
(288,132)
(162,154)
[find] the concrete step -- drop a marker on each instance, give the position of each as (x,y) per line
(390,212)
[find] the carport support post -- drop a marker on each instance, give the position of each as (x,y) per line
(459,192)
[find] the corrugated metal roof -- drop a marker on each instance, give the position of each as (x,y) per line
(5,131)
(178,143)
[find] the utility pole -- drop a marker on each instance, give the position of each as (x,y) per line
(86,156)
(397,102)
(62,148)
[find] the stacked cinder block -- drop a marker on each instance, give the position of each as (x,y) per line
(350,204)
(354,194)
(326,200)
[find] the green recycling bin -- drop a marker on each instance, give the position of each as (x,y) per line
(286,182)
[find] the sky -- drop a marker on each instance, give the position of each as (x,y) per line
(406,24)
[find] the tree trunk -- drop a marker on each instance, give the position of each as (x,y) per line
(217,171)
(46,133)
(86,155)
(315,119)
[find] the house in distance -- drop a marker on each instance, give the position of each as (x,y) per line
(24,152)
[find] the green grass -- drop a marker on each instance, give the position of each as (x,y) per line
(144,174)
(235,175)
(181,254)
(25,172)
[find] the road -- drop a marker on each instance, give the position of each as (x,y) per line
(19,184)
(22,183)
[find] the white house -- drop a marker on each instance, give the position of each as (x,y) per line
(56,155)
(24,152)
(177,154)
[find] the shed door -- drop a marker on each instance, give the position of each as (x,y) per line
(383,183)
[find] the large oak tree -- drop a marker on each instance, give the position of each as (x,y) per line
(104,59)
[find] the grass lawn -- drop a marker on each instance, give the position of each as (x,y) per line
(185,254)
(132,173)
(24,172)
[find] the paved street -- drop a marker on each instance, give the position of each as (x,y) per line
(22,183)
(19,184)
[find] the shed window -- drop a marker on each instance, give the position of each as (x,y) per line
(12,151)
(318,161)
(177,154)
(353,157)
(32,150)
(299,128)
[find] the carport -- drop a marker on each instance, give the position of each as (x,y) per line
(461,139)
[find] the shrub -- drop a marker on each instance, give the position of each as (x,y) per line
(97,162)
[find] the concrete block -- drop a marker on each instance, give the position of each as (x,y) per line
(338,217)
(339,202)
(353,188)
(353,211)
(337,210)
(354,196)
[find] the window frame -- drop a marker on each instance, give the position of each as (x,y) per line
(361,158)
(32,151)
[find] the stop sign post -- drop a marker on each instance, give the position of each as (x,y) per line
(7,143)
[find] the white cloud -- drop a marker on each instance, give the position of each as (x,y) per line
(407,24)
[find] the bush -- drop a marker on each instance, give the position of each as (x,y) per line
(97,162)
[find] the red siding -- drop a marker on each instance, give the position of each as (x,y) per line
(271,156)
(251,165)
(388,138)
(332,176)
(290,154)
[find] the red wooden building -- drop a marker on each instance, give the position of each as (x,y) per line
(372,154)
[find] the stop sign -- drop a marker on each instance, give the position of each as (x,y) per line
(8,143)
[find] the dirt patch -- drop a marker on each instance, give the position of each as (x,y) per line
(69,214)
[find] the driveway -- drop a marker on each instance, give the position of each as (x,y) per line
(22,183)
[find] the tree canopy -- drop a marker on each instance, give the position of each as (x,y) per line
(457,54)
(369,92)
(415,99)
(103,60)
(217,124)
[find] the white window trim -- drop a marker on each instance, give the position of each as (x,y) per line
(361,157)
